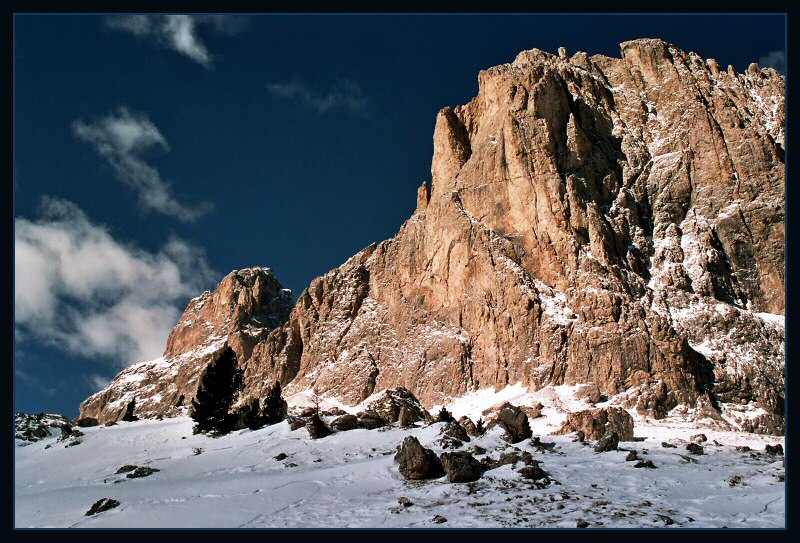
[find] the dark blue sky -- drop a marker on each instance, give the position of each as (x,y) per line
(308,134)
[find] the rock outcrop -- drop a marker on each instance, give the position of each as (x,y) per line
(614,221)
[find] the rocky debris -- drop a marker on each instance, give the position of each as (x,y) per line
(68,432)
(664,518)
(469,427)
(509,458)
(439,519)
(636,256)
(735,480)
(596,423)
(416,462)
(645,464)
(461,467)
(290,465)
(36,427)
(454,431)
(668,445)
(334,412)
(345,422)
(743,448)
(86,422)
(631,456)
(694,448)
(142,471)
(514,421)
(688,459)
(317,429)
(533,472)
(389,403)
(581,524)
(774,450)
(126,468)
(699,438)
(477,450)
(404,501)
(103,504)
(281,456)
(580,436)
(537,443)
(609,442)
(371,420)
(590,393)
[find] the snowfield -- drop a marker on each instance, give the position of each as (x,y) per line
(350,479)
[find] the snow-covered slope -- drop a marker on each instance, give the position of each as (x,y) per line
(350,479)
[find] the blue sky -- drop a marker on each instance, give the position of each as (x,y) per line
(154,154)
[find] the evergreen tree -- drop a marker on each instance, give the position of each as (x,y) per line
(479,427)
(129,416)
(250,415)
(211,406)
(444,416)
(274,405)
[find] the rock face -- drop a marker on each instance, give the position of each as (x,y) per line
(241,311)
(614,221)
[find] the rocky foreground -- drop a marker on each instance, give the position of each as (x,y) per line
(614,221)
(544,461)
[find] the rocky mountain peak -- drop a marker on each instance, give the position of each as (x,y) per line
(616,221)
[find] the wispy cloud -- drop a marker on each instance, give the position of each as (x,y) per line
(121,139)
(98,382)
(178,32)
(86,293)
(343,94)
(774,59)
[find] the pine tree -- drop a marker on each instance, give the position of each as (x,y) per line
(129,416)
(250,415)
(444,416)
(274,405)
(211,406)
(479,427)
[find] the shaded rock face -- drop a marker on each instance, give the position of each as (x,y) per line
(239,313)
(514,421)
(36,427)
(614,221)
(597,423)
(461,467)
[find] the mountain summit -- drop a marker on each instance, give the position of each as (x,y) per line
(616,221)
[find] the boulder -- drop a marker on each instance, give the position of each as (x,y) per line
(589,393)
(514,421)
(533,472)
(344,423)
(142,471)
(388,404)
(416,462)
(609,442)
(694,448)
(596,423)
(406,417)
(468,426)
(371,420)
(461,467)
(86,422)
(103,504)
(774,450)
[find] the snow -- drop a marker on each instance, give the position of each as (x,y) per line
(349,479)
(775,319)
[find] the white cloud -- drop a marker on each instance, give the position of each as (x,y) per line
(178,32)
(344,94)
(86,293)
(121,139)
(99,382)
(774,59)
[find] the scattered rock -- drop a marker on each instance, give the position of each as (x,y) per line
(345,422)
(477,450)
(371,420)
(416,462)
(534,472)
(290,465)
(699,438)
(735,480)
(774,450)
(281,456)
(317,429)
(126,468)
(334,412)
(580,437)
(142,471)
(111,423)
(297,423)
(404,501)
(103,504)
(743,448)
(514,421)
(461,467)
(609,442)
(694,448)
(35,427)
(406,418)
(668,521)
(469,427)
(645,464)
(632,455)
(596,423)
(688,459)
(668,445)
(439,519)
(581,524)
(589,393)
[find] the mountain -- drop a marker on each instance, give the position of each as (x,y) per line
(616,221)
